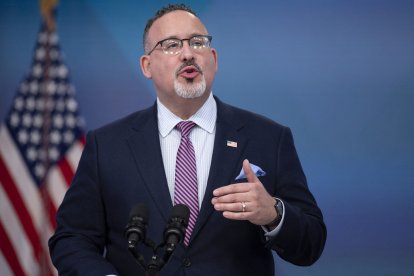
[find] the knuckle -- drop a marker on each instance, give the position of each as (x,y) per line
(226,199)
(257,185)
(229,188)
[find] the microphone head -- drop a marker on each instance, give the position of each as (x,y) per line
(139,210)
(181,211)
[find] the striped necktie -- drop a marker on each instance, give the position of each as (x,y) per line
(186,186)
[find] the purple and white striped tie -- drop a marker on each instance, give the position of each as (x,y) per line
(186,186)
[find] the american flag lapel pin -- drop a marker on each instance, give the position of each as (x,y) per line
(231,144)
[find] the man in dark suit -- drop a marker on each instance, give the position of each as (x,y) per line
(250,195)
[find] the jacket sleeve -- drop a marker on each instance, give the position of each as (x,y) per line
(303,234)
(77,247)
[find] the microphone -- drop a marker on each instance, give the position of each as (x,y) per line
(135,230)
(175,230)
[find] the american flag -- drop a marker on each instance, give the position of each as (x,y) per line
(41,142)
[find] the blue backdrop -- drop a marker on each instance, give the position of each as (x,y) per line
(339,73)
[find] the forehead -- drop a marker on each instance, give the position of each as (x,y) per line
(179,24)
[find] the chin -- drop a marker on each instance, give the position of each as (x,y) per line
(189,95)
(190,90)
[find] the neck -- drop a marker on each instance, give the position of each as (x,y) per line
(185,108)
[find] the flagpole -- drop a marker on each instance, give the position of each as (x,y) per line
(47,9)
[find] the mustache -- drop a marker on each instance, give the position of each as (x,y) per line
(190,62)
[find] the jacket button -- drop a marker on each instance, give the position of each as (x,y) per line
(187,262)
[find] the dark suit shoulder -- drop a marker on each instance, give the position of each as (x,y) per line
(247,118)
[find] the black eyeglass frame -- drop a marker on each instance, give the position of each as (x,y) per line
(209,37)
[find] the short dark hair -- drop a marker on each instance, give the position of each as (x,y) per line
(161,12)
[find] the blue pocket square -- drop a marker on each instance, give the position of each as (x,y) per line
(256,169)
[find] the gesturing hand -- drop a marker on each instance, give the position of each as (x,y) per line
(245,201)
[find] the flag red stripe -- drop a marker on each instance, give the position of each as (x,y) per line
(51,208)
(66,170)
(20,208)
(82,139)
(8,252)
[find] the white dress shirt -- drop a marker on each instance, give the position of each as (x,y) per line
(202,137)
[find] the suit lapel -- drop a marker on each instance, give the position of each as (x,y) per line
(225,161)
(145,147)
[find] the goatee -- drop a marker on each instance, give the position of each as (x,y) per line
(191,89)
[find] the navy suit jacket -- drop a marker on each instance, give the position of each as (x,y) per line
(122,165)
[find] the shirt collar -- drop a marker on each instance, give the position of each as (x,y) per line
(205,117)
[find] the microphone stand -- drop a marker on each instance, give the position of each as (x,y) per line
(155,263)
(173,234)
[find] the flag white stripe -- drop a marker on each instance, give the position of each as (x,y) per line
(21,244)
(4,266)
(45,238)
(74,154)
(22,178)
(57,186)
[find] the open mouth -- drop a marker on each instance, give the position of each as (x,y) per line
(189,72)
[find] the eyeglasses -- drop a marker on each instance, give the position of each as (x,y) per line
(173,46)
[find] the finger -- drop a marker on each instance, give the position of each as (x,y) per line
(231,189)
(237,215)
(231,207)
(248,172)
(231,198)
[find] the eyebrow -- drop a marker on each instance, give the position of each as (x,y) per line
(176,37)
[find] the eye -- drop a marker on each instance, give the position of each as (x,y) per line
(171,44)
(197,42)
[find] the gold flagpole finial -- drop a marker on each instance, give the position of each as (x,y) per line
(47,8)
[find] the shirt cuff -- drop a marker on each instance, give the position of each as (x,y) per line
(270,234)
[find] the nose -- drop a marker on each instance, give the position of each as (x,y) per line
(186,52)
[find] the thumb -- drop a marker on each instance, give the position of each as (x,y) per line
(248,172)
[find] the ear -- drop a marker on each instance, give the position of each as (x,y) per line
(145,66)
(214,52)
